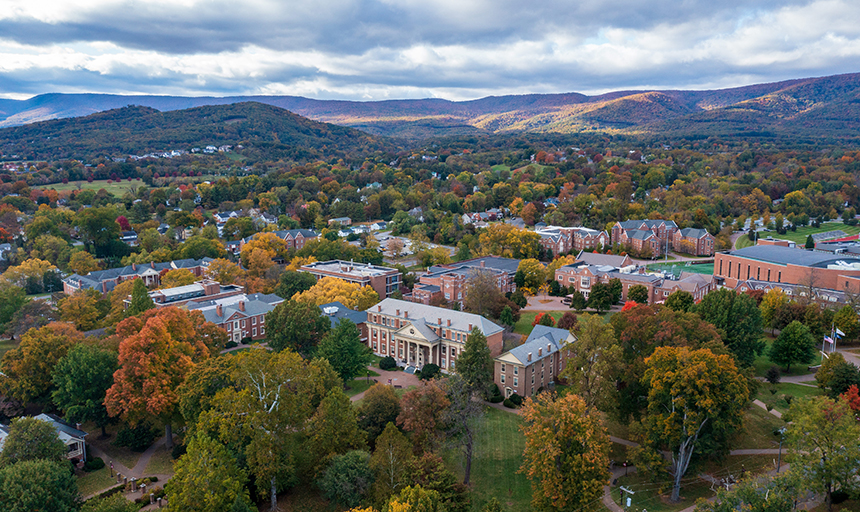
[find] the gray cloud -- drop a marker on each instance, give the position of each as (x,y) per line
(375,49)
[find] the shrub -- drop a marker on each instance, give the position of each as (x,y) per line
(517,399)
(231,344)
(247,340)
(94,464)
(178,451)
(772,375)
(496,399)
(494,390)
(509,404)
(138,439)
(429,371)
(387,363)
(788,399)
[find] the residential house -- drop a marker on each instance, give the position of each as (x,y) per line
(105,280)
(295,238)
(416,334)
(697,242)
(241,316)
(340,221)
(534,365)
(72,437)
(129,238)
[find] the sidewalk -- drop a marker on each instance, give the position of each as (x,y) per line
(398,379)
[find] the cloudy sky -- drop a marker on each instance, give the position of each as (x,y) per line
(386,49)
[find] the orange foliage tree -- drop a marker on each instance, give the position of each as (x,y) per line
(157,351)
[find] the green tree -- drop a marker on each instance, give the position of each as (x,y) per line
(348,478)
(114,503)
(843,376)
(379,407)
(333,429)
(296,325)
(680,300)
(638,293)
(822,438)
(825,373)
(39,485)
(32,439)
(343,349)
(203,382)
(738,319)
(475,363)
(695,399)
(507,316)
(567,453)
(615,288)
(600,298)
(207,478)
(756,494)
(140,299)
(578,301)
(292,282)
(593,363)
(794,344)
(81,380)
(99,229)
(462,418)
(12,298)
(393,453)
(810,242)
(846,320)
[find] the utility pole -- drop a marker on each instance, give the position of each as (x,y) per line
(781,439)
(629,500)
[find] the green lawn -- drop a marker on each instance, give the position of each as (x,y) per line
(6,346)
(161,463)
(677,268)
(117,188)
(524,325)
(498,456)
(762,363)
(758,430)
(501,167)
(777,400)
(742,242)
(123,455)
(800,235)
(360,384)
(95,481)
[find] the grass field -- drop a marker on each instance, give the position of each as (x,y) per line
(777,400)
(123,455)
(161,463)
(524,325)
(677,268)
(763,363)
(758,430)
(498,456)
(6,346)
(95,481)
(799,236)
(742,242)
(119,188)
(360,384)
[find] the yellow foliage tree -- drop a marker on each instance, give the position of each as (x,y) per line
(266,241)
(557,263)
(331,289)
(117,298)
(224,271)
(31,268)
(509,241)
(177,277)
(84,309)
(82,263)
(300,261)
(259,261)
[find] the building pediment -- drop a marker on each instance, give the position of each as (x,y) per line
(418,331)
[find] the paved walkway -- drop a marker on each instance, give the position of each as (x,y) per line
(138,471)
(398,379)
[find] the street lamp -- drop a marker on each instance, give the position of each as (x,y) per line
(781,439)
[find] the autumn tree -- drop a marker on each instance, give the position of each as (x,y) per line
(203,382)
(393,453)
(738,319)
(756,494)
(567,321)
(822,437)
(140,299)
(81,380)
(593,363)
(695,399)
(296,325)
(431,473)
(794,344)
(680,300)
(475,364)
(421,412)
(567,453)
(82,263)
(30,274)
(117,299)
(481,293)
(224,271)
(292,282)
(28,367)
(177,277)
(507,240)
(207,478)
(154,363)
(31,439)
(416,499)
(348,478)
(773,300)
(533,273)
(332,289)
(379,407)
(333,429)
(32,315)
(259,262)
(268,242)
(85,309)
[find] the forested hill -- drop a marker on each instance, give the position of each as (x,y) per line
(821,107)
(137,130)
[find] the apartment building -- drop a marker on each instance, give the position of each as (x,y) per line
(561,240)
(241,316)
(105,280)
(697,242)
(384,280)
(535,364)
(654,236)
(449,281)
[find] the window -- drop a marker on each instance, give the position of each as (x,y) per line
(503,378)
(262,330)
(447,296)
(254,331)
(516,382)
(253,320)
(243,324)
(236,324)
(516,370)
(503,367)
(262,319)
(586,282)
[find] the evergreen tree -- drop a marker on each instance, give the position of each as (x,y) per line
(140,299)
(344,350)
(475,363)
(810,243)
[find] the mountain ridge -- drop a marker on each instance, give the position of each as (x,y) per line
(717,111)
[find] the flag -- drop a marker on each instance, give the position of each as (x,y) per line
(839,332)
(828,339)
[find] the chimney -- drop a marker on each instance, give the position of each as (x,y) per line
(405,314)
(440,321)
(449,322)
(540,352)
(152,264)
(398,312)
(134,266)
(529,358)
(470,327)
(241,305)
(218,310)
(379,309)
(548,348)
(482,263)
(78,426)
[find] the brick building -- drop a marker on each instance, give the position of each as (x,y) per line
(561,240)
(336,311)
(645,235)
(697,242)
(417,334)
(201,290)
(105,280)
(295,238)
(778,264)
(582,277)
(602,260)
(384,280)
(536,363)
(448,281)
(241,316)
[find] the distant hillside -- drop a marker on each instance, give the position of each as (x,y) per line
(137,130)
(814,107)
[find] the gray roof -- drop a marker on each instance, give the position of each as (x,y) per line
(637,224)
(594,258)
(252,308)
(788,255)
(336,311)
(459,319)
(540,337)
(282,234)
(640,234)
(94,279)
(694,232)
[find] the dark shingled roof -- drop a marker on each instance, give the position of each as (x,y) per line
(787,255)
